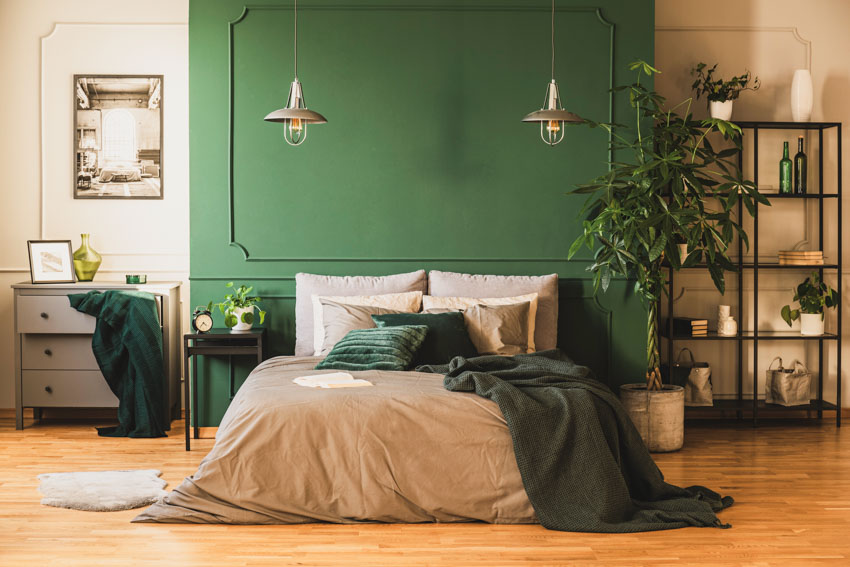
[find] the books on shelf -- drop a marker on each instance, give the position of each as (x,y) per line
(689,326)
(801,257)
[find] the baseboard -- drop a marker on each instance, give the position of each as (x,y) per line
(68,413)
(207,432)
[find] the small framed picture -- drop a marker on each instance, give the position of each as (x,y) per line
(51,261)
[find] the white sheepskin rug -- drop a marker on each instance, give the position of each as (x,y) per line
(105,491)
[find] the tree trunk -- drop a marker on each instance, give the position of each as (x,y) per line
(653,357)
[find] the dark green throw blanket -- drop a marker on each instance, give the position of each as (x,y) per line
(127,344)
(584,466)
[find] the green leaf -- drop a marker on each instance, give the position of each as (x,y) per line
(262,317)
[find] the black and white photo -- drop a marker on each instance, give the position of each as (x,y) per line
(118,137)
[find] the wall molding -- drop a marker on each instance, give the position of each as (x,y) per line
(247,256)
(42,196)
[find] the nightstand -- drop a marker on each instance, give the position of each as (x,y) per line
(217,342)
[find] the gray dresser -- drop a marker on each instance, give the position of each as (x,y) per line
(54,363)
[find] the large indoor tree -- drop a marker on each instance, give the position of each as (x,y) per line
(667,185)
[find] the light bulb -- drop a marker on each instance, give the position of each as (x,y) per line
(294,131)
(554,126)
(552,132)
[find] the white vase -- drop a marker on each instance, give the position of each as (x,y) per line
(721,110)
(241,325)
(802,96)
(811,323)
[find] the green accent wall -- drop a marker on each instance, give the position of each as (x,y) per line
(424,162)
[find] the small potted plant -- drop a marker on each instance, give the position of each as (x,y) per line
(814,296)
(238,308)
(720,93)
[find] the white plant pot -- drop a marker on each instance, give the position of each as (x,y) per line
(658,415)
(802,96)
(240,325)
(811,324)
(720,110)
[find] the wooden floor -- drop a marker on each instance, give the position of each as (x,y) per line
(791,483)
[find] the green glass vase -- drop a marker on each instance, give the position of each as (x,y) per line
(86,260)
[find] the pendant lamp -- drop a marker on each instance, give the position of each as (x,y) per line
(552,117)
(295,116)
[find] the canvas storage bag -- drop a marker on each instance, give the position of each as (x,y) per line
(788,386)
(698,391)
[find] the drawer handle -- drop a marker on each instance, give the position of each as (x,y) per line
(44,315)
(48,389)
(48,352)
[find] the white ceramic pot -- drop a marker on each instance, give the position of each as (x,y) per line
(811,324)
(721,110)
(658,415)
(241,325)
(802,96)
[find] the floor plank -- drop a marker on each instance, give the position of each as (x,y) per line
(791,482)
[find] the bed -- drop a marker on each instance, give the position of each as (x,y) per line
(120,172)
(516,435)
(405,450)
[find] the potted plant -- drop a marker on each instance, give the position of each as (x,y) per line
(813,296)
(719,93)
(238,308)
(673,187)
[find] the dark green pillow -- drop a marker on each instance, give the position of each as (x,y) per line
(447,335)
(390,348)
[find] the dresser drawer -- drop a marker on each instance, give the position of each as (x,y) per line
(57,352)
(66,388)
(51,314)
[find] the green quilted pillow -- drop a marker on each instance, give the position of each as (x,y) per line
(386,348)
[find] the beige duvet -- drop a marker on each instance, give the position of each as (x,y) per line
(403,450)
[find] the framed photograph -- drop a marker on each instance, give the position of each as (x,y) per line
(118,136)
(51,261)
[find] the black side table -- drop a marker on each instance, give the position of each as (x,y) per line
(215,342)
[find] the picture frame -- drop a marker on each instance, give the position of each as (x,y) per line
(51,261)
(118,136)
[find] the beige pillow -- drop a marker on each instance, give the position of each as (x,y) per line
(498,329)
(407,302)
(462,303)
(340,318)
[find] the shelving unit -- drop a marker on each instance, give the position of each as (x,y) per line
(740,404)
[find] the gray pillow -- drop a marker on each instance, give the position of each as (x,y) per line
(340,318)
(309,284)
(452,284)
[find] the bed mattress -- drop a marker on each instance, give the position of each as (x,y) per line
(404,450)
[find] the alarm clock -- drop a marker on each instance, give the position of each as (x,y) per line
(202,320)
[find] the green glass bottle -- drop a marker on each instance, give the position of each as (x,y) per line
(801,169)
(785,171)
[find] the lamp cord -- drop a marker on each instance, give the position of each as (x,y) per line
(553,40)
(296,39)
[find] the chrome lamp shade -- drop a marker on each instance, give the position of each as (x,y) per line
(295,116)
(552,117)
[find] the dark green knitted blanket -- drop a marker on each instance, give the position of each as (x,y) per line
(127,345)
(583,463)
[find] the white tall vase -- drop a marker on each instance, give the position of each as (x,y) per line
(801,96)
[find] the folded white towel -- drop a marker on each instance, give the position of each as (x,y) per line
(332,380)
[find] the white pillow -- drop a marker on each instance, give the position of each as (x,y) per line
(432,302)
(407,302)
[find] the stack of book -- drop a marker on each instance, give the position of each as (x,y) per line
(800,257)
(690,327)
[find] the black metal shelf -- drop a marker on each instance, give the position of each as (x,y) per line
(749,403)
(761,335)
(767,125)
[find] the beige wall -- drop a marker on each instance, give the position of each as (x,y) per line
(43,43)
(770,38)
